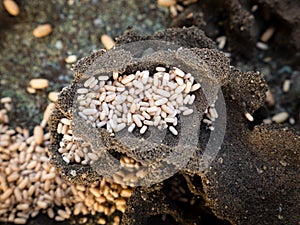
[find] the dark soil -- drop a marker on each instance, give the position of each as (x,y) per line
(255,177)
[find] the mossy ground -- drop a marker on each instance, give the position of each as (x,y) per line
(77,28)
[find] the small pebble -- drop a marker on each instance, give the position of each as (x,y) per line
(59,45)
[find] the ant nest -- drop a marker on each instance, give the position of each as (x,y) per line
(145,105)
(135,101)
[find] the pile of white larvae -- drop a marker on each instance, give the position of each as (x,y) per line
(75,150)
(30,185)
(137,100)
(72,148)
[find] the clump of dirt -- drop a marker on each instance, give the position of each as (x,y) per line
(243,24)
(239,168)
(249,171)
(212,72)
